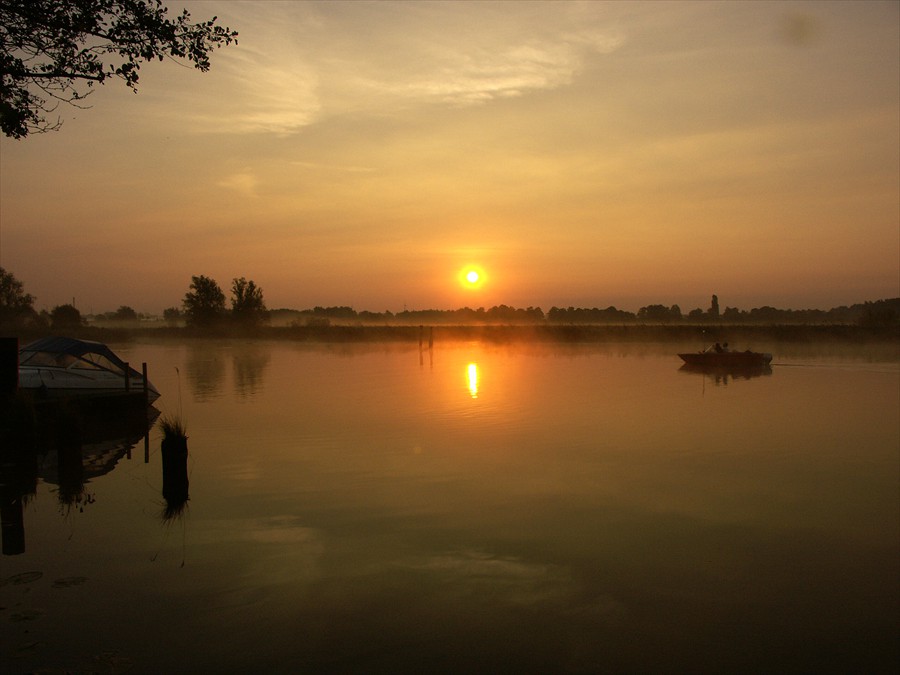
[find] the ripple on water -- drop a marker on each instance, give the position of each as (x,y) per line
(23,578)
(26,615)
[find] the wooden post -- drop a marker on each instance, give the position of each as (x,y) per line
(146,423)
(13,526)
(175,475)
(127,377)
(9,366)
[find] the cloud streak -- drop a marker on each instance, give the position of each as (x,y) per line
(306,63)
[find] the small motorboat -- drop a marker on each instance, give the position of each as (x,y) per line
(56,367)
(723,358)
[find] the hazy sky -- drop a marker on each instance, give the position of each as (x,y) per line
(579,153)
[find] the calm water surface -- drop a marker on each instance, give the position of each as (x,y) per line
(476,508)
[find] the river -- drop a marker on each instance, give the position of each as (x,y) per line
(472,508)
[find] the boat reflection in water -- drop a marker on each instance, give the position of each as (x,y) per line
(721,374)
(70,452)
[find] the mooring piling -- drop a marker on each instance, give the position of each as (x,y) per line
(9,366)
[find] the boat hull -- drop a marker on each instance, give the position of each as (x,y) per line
(58,383)
(59,367)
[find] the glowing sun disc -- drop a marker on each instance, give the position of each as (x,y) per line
(471,277)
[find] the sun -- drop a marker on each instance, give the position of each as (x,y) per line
(471,277)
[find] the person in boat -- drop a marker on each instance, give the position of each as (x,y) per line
(718,348)
(725,347)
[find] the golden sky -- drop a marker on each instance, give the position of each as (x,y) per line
(578,153)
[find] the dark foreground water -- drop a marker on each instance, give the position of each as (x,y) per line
(471,509)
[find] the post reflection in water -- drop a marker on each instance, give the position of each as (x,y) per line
(472,377)
(18,486)
(71,491)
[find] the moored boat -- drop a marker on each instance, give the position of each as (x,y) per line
(59,366)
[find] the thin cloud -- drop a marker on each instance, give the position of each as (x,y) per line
(296,65)
(318,166)
(256,93)
(461,76)
(244,182)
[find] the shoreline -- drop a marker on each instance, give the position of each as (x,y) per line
(494,333)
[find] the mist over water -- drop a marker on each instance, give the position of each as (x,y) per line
(480,508)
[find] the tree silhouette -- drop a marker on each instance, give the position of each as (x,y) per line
(16,306)
(247,305)
(204,304)
(65,316)
(125,313)
(54,51)
(171,315)
(659,313)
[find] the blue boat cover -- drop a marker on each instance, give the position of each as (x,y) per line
(73,347)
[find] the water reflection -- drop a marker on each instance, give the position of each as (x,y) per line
(721,375)
(18,486)
(472,378)
(249,365)
(70,479)
(422,346)
(205,369)
(549,525)
(69,453)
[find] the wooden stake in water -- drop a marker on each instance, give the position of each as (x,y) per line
(9,365)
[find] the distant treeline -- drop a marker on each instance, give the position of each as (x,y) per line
(881,313)
(323,316)
(204,311)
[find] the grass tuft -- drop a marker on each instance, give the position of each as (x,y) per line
(172,427)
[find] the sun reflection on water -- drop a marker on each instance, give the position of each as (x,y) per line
(472,376)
